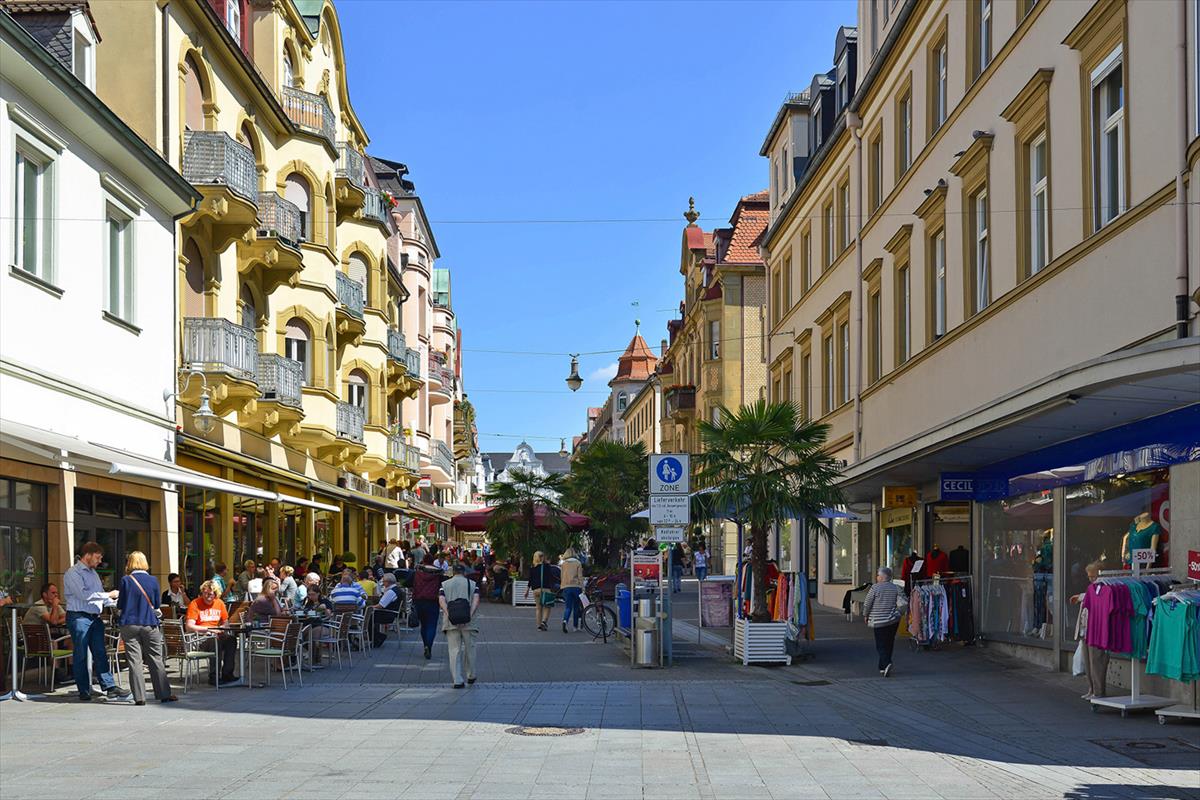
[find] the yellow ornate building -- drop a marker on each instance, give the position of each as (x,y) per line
(289,305)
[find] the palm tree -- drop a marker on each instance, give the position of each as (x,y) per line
(512,525)
(766,463)
(608,483)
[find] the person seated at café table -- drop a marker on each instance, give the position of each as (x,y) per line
(206,613)
(287,586)
(48,609)
(273,568)
(176,595)
(249,573)
(314,566)
(366,579)
(347,591)
(387,608)
(220,579)
(313,600)
(266,605)
(337,566)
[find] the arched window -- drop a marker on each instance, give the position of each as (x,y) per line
(249,312)
(330,359)
(289,69)
(193,292)
(622,401)
(193,97)
(297,191)
(330,231)
(359,270)
(298,346)
(357,389)
(246,136)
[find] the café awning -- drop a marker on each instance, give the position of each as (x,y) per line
(478,520)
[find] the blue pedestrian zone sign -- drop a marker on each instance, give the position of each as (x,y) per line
(669,473)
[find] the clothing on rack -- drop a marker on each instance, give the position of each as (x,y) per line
(960,559)
(1174,648)
(1119,613)
(936,562)
(942,610)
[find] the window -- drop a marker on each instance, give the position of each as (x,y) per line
(233,19)
(827,215)
(34,207)
(356,389)
(776,290)
(786,291)
(843,86)
(817,136)
(806,385)
(980,256)
(289,70)
(903,315)
(805,261)
(875,178)
(297,345)
(937,92)
(296,190)
(81,59)
(23,541)
(1108,139)
(714,338)
(827,377)
(1039,205)
(844,362)
(118,272)
(844,215)
(937,269)
(776,183)
(875,25)
(785,170)
(622,402)
(787,385)
(875,331)
(359,269)
(249,312)
(985,35)
(904,133)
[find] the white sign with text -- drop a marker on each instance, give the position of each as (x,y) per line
(670,509)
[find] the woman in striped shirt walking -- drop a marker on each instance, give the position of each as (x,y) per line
(882,609)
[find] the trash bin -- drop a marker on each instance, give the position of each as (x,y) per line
(624,608)
(647,647)
(646,607)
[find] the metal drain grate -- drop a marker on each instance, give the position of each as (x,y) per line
(812,683)
(542,730)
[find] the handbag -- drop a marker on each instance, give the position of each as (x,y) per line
(1077,665)
(156,609)
(458,611)
(547,597)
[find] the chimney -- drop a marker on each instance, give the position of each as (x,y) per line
(662,348)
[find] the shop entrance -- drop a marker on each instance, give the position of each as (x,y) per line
(948,527)
(898,536)
(120,525)
(23,540)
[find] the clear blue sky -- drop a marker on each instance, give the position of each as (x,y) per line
(572,111)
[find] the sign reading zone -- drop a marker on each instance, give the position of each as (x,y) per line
(670,473)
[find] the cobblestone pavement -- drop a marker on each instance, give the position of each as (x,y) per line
(960,723)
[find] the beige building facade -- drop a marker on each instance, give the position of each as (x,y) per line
(986,244)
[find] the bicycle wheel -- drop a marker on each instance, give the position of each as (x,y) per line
(599,620)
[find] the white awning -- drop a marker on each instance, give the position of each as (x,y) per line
(69,452)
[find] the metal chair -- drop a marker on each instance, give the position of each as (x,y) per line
(358,628)
(282,645)
(185,647)
(37,642)
(336,632)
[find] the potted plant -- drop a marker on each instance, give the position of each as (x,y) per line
(766,464)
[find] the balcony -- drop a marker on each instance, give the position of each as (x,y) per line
(680,402)
(351,177)
(351,301)
(412,362)
(399,378)
(350,422)
(375,208)
(274,254)
(224,172)
(227,354)
(440,380)
(403,455)
(309,112)
(441,458)
(281,406)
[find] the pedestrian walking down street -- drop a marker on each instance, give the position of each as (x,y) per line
(882,610)
(86,598)
(677,557)
(543,582)
(571,579)
(426,582)
(141,630)
(459,601)
(700,562)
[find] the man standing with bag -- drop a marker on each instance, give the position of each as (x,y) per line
(459,600)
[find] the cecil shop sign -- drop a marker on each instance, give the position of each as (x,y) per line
(968,486)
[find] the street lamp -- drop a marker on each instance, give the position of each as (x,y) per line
(573,380)
(562,448)
(203,417)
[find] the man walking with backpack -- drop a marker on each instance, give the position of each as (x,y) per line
(459,599)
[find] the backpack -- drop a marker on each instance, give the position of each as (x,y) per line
(458,611)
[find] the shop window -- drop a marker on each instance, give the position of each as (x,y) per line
(1107,519)
(1017,568)
(23,540)
(249,522)
(899,540)
(841,551)
(117,524)
(197,532)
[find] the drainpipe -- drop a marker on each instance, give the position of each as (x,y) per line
(854,125)
(166,90)
(1182,303)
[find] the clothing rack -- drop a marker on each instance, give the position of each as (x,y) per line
(939,579)
(1183,710)
(1136,700)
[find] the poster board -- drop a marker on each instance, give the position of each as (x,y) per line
(647,566)
(716,603)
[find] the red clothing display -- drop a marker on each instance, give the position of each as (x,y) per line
(936,562)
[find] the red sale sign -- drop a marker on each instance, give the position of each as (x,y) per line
(1194,564)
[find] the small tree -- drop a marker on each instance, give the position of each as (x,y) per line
(512,525)
(608,483)
(766,464)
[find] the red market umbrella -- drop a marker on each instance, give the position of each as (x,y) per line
(478,520)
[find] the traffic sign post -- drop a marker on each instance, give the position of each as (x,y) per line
(670,473)
(670,482)
(669,535)
(670,509)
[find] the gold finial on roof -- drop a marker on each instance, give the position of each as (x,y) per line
(691,215)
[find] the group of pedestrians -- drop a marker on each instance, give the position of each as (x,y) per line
(547,580)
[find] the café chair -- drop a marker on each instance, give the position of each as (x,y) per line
(282,644)
(36,642)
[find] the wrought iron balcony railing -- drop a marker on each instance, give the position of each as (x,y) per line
(412,362)
(375,207)
(397,345)
(350,294)
(218,345)
(351,165)
(280,379)
(350,421)
(403,454)
(214,158)
(309,111)
(279,218)
(442,456)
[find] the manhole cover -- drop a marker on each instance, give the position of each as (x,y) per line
(1166,753)
(811,683)
(542,730)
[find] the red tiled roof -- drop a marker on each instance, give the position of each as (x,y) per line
(696,238)
(637,362)
(758,197)
(749,222)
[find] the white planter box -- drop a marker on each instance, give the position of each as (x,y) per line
(520,598)
(760,642)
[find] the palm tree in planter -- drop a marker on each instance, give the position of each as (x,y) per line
(513,525)
(767,464)
(608,483)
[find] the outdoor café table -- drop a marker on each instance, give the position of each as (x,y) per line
(243,631)
(14,693)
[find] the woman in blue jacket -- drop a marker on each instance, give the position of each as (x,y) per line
(141,631)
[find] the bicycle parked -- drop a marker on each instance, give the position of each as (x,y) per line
(599,618)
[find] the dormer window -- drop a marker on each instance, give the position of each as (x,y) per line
(786,169)
(843,86)
(233,19)
(817,127)
(83,50)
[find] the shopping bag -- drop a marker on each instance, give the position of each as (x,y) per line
(1077,665)
(583,601)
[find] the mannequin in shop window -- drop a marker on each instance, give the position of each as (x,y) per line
(913,568)
(1043,572)
(960,559)
(1044,560)
(1144,534)
(936,562)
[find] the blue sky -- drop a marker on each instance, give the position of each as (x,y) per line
(511,112)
